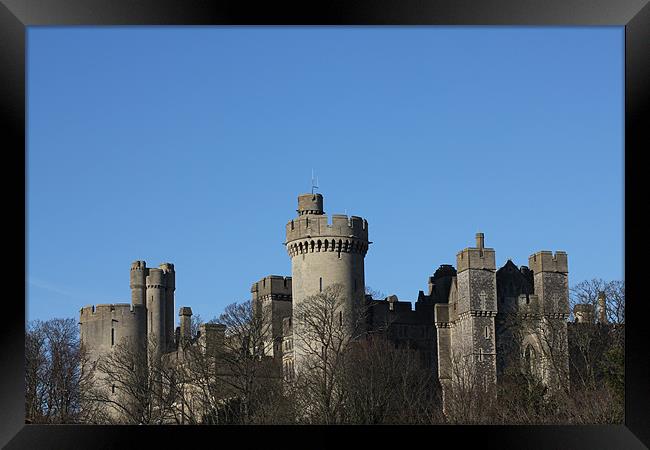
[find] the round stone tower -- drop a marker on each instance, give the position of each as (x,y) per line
(156,302)
(324,254)
(138,283)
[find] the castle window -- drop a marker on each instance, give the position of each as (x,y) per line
(340,318)
(113,389)
(487,333)
(112,336)
(321,284)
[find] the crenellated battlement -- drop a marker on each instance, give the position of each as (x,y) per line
(138,265)
(170,275)
(546,261)
(166,267)
(341,225)
(109,310)
(529,305)
(310,204)
(274,285)
(156,279)
(477,257)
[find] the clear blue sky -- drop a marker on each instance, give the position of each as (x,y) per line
(190,145)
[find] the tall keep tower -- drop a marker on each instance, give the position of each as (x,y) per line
(551,278)
(465,326)
(323,254)
(154,289)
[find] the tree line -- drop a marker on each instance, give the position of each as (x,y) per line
(347,374)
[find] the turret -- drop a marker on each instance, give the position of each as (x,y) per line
(551,284)
(271,297)
(477,277)
(465,326)
(550,275)
(310,204)
(325,254)
(104,326)
(138,283)
(477,257)
(156,308)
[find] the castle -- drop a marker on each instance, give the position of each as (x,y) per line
(460,322)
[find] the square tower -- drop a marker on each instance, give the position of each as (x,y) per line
(551,280)
(271,297)
(465,326)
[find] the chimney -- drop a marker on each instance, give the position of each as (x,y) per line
(602,308)
(480,241)
(185,314)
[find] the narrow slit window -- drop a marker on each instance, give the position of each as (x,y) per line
(112,336)
(487,333)
(321,284)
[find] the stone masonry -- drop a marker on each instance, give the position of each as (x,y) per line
(458,326)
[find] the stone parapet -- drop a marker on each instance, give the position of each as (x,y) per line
(475,258)
(341,226)
(275,286)
(310,204)
(546,261)
(156,279)
(108,310)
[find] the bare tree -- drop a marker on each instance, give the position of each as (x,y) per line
(384,384)
(327,324)
(597,351)
(587,292)
(200,391)
(252,380)
(53,359)
(375,293)
(135,385)
(469,395)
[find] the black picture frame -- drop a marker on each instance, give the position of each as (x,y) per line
(17,15)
